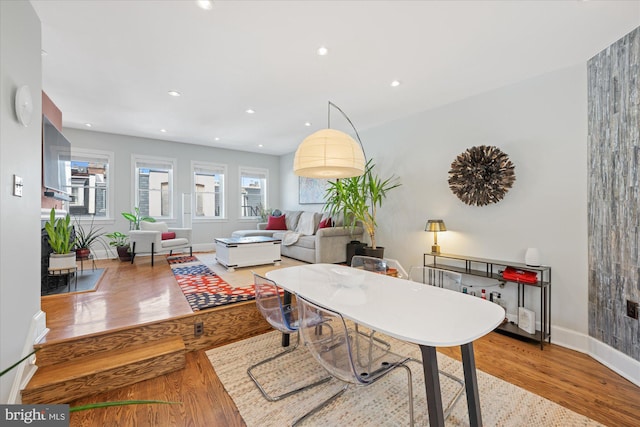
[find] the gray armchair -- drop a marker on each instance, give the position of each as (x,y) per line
(156,237)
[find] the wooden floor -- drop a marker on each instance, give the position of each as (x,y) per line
(139,293)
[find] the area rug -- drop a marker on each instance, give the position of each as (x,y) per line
(381,404)
(202,287)
(88,281)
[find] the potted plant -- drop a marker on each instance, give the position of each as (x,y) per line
(135,217)
(358,199)
(120,242)
(86,236)
(60,231)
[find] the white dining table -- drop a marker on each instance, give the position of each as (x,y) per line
(426,315)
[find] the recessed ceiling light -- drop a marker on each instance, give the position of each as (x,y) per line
(205,4)
(260,145)
(322,51)
(307,124)
(163,130)
(395,83)
(88,125)
(174,93)
(216,139)
(250,111)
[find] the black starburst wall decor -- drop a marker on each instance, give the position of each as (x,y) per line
(481,175)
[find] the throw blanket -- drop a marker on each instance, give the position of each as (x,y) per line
(306,225)
(290,238)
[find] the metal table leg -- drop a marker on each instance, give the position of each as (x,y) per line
(471,384)
(432,385)
(286,300)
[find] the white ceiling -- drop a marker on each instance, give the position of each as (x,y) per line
(111,63)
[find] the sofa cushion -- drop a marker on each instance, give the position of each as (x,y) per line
(325,223)
(277,223)
(154,226)
(308,242)
(167,244)
(168,235)
(292,219)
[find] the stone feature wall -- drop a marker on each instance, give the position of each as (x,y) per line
(614,193)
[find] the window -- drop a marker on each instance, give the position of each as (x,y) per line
(253,191)
(90,183)
(208,190)
(154,186)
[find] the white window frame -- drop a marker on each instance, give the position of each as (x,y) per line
(212,168)
(80,154)
(264,174)
(161,162)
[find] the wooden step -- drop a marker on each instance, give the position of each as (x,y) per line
(66,381)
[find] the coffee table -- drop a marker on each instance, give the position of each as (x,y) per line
(236,252)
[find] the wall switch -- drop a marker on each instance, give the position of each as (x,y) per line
(17,186)
(632,309)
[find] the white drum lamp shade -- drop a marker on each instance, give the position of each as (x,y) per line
(329,153)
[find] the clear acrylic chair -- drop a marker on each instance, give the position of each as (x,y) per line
(436,277)
(282,317)
(332,344)
(376,265)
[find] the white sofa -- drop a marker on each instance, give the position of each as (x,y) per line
(325,245)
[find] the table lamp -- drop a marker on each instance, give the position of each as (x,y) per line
(435,225)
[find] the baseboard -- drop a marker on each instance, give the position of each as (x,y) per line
(613,359)
(24,371)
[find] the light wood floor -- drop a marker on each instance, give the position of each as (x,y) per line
(139,293)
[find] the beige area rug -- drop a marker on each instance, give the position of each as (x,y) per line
(241,276)
(381,404)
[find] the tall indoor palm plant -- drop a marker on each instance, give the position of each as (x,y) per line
(359,198)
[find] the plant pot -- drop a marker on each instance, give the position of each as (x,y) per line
(378,252)
(83,253)
(354,247)
(62,261)
(123,253)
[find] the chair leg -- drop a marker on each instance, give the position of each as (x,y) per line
(289,393)
(133,252)
(456,397)
(152,251)
(321,405)
(190,250)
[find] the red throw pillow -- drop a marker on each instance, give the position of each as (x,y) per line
(325,223)
(276,223)
(168,236)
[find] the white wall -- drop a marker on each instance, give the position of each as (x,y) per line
(542,125)
(203,231)
(19,154)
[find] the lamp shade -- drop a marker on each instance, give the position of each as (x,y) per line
(435,225)
(329,153)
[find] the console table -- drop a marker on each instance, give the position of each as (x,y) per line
(490,268)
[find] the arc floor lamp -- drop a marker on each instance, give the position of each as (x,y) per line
(330,153)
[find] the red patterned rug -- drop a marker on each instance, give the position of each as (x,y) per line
(202,287)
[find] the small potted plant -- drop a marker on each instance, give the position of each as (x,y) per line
(120,242)
(135,218)
(86,237)
(60,231)
(358,199)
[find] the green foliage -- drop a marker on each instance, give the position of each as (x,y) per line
(59,232)
(359,198)
(135,217)
(118,239)
(87,235)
